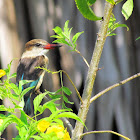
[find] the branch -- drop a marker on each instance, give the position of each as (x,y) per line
(78,94)
(82,113)
(49,71)
(67,124)
(104,131)
(113,86)
(82,57)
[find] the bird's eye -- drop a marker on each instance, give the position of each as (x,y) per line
(38,45)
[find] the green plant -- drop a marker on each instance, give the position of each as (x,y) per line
(113,25)
(31,127)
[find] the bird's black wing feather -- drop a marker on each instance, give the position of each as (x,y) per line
(26,70)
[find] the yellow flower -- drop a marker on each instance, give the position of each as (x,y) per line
(55,128)
(2,73)
(43,125)
(66,136)
(59,131)
(60,134)
(1,121)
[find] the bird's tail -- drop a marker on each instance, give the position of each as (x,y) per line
(27,106)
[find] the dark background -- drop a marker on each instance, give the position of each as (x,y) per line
(117,110)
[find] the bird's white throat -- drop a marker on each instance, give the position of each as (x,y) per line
(34,52)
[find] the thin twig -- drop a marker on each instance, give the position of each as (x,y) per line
(105,131)
(78,94)
(82,57)
(113,86)
(68,124)
(100,68)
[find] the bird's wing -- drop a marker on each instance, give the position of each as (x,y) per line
(26,70)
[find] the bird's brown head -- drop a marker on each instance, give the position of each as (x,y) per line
(35,43)
(38,47)
(40,43)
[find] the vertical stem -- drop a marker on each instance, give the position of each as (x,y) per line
(92,72)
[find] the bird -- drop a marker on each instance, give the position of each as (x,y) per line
(33,56)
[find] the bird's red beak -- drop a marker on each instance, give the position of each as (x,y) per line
(51,46)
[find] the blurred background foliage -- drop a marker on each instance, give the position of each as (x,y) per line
(119,109)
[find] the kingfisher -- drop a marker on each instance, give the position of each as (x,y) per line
(33,56)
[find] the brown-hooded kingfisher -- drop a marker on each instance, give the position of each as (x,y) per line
(34,56)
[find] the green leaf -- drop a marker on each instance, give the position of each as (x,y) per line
(22,131)
(21,104)
(18,107)
(37,137)
(23,117)
(91,2)
(9,120)
(121,25)
(5,123)
(50,136)
(118,1)
(66,90)
(86,11)
(38,100)
(65,107)
(138,38)
(26,90)
(2,116)
(23,82)
(66,100)
(112,34)
(56,36)
(56,96)
(59,90)
(66,28)
(64,37)
(62,40)
(17,137)
(113,26)
(50,105)
(69,115)
(3,108)
(111,1)
(14,88)
(54,114)
(69,32)
(13,75)
(58,30)
(58,121)
(8,69)
(76,36)
(127,9)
